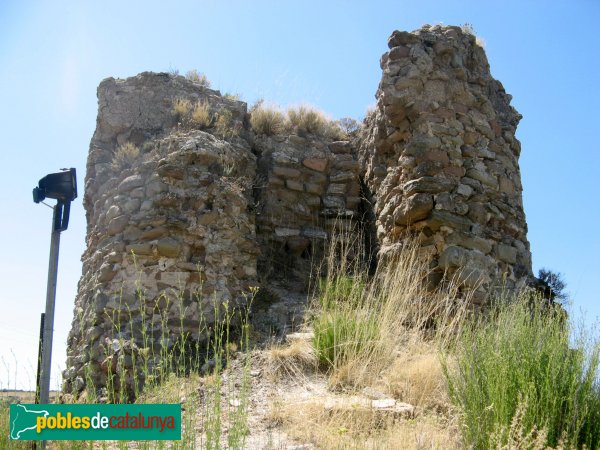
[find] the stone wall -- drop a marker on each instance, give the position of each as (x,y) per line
(202,214)
(308,186)
(440,157)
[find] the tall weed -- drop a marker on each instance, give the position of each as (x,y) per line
(524,351)
(361,324)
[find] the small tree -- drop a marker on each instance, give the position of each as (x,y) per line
(553,284)
(349,126)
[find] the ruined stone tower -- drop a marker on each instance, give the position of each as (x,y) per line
(440,158)
(184,217)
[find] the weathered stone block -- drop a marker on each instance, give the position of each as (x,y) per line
(168,247)
(334,202)
(444,218)
(484,177)
(139,249)
(470,241)
(131,182)
(286,172)
(398,52)
(294,185)
(336,189)
(314,188)
(286,232)
(429,185)
(117,225)
(412,209)
(507,253)
(318,164)
(341,177)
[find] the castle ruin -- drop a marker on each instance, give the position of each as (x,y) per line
(205,215)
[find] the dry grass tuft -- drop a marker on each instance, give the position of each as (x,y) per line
(225,127)
(267,120)
(305,119)
(125,156)
(181,108)
(518,436)
(416,377)
(201,116)
(359,428)
(293,359)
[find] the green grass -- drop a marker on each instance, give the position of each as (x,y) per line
(526,360)
(342,334)
(345,327)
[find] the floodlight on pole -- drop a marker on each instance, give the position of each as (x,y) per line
(61,186)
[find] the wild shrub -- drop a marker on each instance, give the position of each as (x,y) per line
(267,120)
(308,120)
(554,285)
(334,131)
(527,351)
(349,126)
(198,77)
(125,156)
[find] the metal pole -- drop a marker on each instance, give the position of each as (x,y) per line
(39,364)
(50,300)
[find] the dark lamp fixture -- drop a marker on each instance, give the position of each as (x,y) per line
(61,186)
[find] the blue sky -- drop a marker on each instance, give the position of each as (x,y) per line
(53,54)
